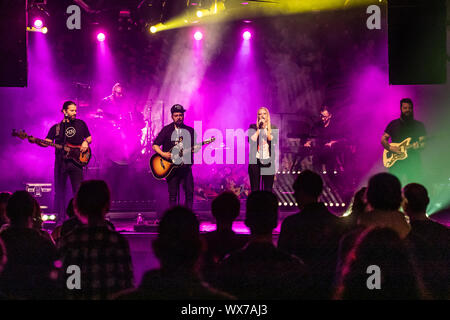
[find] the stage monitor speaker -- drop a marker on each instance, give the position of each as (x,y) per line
(13,48)
(417,41)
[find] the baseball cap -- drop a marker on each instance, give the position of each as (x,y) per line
(177,108)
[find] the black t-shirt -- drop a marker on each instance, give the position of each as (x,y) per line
(399,130)
(73,132)
(326,134)
(166,134)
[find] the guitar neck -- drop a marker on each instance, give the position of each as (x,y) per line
(200,144)
(48,143)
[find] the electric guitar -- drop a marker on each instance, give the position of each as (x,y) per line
(162,167)
(71,152)
(390,158)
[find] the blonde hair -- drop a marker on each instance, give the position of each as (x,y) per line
(269,126)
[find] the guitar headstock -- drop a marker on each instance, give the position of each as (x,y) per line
(210,140)
(21,134)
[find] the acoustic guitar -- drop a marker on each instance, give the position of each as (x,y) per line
(390,158)
(162,167)
(70,151)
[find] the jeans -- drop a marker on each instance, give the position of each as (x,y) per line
(65,169)
(182,175)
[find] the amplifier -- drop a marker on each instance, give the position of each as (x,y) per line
(42,192)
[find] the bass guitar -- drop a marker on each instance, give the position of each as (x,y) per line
(390,158)
(70,151)
(162,167)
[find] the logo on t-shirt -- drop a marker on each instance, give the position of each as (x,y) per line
(70,132)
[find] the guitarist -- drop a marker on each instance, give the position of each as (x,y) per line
(73,131)
(168,137)
(409,169)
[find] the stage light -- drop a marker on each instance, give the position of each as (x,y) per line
(44,30)
(52,217)
(246,35)
(101,37)
(199,13)
(198,36)
(44,217)
(153,29)
(38,23)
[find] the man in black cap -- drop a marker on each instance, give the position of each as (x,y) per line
(177,133)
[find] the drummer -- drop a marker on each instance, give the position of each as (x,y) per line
(114,104)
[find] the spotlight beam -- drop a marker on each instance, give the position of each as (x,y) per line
(259,8)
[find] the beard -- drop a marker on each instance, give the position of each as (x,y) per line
(407,118)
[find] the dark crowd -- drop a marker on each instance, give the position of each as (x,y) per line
(386,249)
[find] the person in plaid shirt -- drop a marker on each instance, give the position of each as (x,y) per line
(103,255)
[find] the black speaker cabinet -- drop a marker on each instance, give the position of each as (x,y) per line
(417,41)
(13,43)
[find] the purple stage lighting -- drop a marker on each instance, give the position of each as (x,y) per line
(198,36)
(101,37)
(246,35)
(38,23)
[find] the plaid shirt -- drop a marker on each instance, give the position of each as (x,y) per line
(104,259)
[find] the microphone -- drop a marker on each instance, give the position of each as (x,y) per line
(261,123)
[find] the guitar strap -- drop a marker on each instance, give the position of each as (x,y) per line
(58,128)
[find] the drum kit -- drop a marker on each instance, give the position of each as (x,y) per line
(123,139)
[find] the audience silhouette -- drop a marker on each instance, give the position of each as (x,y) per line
(313,234)
(225,208)
(384,195)
(430,240)
(260,270)
(178,248)
(379,267)
(30,271)
(377,252)
(4,197)
(103,255)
